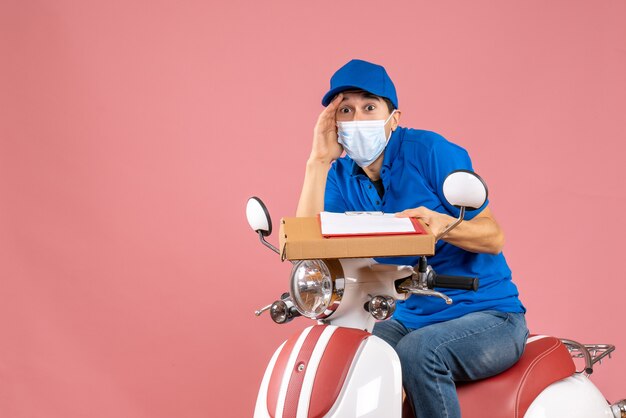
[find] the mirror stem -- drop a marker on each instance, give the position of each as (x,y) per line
(267,244)
(453,225)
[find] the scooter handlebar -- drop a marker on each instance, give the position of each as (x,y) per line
(453,282)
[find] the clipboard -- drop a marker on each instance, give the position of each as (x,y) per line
(366,224)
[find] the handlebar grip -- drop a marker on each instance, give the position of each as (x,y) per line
(453,282)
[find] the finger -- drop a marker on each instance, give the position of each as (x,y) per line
(412,213)
(328,116)
(335,102)
(331,109)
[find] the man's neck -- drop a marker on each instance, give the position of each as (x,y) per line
(373,170)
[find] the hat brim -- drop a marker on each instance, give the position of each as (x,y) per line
(328,97)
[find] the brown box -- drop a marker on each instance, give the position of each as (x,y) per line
(301,239)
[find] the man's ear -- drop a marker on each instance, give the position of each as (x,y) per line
(395,119)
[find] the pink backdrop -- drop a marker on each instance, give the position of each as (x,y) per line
(132,133)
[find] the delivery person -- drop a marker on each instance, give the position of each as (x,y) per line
(401,170)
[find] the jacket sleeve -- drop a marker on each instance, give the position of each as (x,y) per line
(333,198)
(446,157)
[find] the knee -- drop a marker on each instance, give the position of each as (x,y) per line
(418,354)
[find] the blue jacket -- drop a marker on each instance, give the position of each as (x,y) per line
(415,164)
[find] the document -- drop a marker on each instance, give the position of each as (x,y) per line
(367,223)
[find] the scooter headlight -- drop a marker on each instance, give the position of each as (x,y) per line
(313,289)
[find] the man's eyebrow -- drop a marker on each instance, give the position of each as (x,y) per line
(372,96)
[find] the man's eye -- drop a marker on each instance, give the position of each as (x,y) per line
(370,107)
(344,110)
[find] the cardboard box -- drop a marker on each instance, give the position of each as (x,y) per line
(301,239)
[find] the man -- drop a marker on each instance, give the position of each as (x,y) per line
(398,170)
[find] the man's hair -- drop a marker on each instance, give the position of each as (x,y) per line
(369,95)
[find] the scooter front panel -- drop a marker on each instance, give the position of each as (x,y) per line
(305,365)
(307,373)
(284,369)
(373,387)
(260,409)
(332,370)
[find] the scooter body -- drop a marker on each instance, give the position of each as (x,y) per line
(344,370)
(338,369)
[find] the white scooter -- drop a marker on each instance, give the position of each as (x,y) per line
(338,369)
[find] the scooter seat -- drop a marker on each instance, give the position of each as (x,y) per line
(508,395)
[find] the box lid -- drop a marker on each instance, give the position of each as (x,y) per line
(301,239)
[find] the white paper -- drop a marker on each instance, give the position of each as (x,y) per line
(364,223)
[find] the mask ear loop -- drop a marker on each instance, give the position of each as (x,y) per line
(388,119)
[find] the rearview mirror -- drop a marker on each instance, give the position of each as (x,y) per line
(465,189)
(258,216)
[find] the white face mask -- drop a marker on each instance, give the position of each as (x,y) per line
(363,140)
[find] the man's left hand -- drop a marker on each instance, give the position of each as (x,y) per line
(437,222)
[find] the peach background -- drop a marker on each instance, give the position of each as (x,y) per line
(132,133)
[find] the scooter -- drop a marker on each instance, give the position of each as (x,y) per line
(337,368)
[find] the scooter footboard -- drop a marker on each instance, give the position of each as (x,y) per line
(329,371)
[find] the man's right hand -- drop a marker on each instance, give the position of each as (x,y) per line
(325,146)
